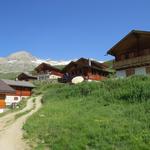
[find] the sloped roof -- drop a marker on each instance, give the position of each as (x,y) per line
(18,83)
(94,63)
(130,41)
(4,88)
(72,63)
(27,74)
(45,66)
(83,62)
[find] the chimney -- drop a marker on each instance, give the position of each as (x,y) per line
(90,63)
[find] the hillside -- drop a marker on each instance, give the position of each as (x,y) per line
(11,75)
(112,114)
(109,63)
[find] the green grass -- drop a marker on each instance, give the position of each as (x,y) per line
(11,76)
(60,66)
(109,63)
(108,115)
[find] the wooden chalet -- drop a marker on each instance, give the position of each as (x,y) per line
(47,72)
(26,77)
(22,90)
(4,90)
(88,69)
(132,54)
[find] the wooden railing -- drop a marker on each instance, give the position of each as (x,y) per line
(137,61)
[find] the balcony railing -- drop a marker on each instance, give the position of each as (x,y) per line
(136,61)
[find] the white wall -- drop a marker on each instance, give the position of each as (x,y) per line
(47,77)
(121,73)
(11,99)
(140,71)
(54,77)
(1,110)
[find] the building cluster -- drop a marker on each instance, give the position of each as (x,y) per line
(132,57)
(88,69)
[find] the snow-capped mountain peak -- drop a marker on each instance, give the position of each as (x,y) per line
(24,61)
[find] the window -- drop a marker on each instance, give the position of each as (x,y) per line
(148,69)
(140,71)
(131,55)
(15,98)
(81,72)
(122,57)
(126,56)
(130,72)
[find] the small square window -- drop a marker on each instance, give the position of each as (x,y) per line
(15,98)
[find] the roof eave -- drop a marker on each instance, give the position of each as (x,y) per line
(111,51)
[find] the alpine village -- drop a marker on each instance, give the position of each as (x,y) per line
(114,86)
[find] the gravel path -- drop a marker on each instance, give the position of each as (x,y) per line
(11,132)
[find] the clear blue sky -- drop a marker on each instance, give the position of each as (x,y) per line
(67,29)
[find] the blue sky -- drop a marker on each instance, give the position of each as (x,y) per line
(68,29)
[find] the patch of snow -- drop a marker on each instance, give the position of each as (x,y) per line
(12,61)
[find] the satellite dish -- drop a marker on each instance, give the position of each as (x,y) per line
(77,80)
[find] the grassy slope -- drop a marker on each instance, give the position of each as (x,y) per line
(106,115)
(109,63)
(11,76)
(60,66)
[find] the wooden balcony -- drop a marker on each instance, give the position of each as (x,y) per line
(136,61)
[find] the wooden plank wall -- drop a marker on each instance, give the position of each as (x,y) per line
(2,101)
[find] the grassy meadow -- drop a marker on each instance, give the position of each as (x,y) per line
(11,76)
(107,115)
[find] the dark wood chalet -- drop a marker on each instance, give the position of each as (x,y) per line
(132,54)
(88,69)
(26,77)
(47,72)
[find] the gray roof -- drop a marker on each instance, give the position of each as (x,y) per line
(18,83)
(4,88)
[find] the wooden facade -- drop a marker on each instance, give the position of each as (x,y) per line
(4,90)
(45,72)
(88,69)
(132,54)
(22,89)
(2,101)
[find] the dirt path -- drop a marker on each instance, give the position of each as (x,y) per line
(8,119)
(11,136)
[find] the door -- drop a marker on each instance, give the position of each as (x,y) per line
(2,101)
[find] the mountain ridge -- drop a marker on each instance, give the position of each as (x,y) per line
(23,61)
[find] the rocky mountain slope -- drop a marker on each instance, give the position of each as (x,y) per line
(23,61)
